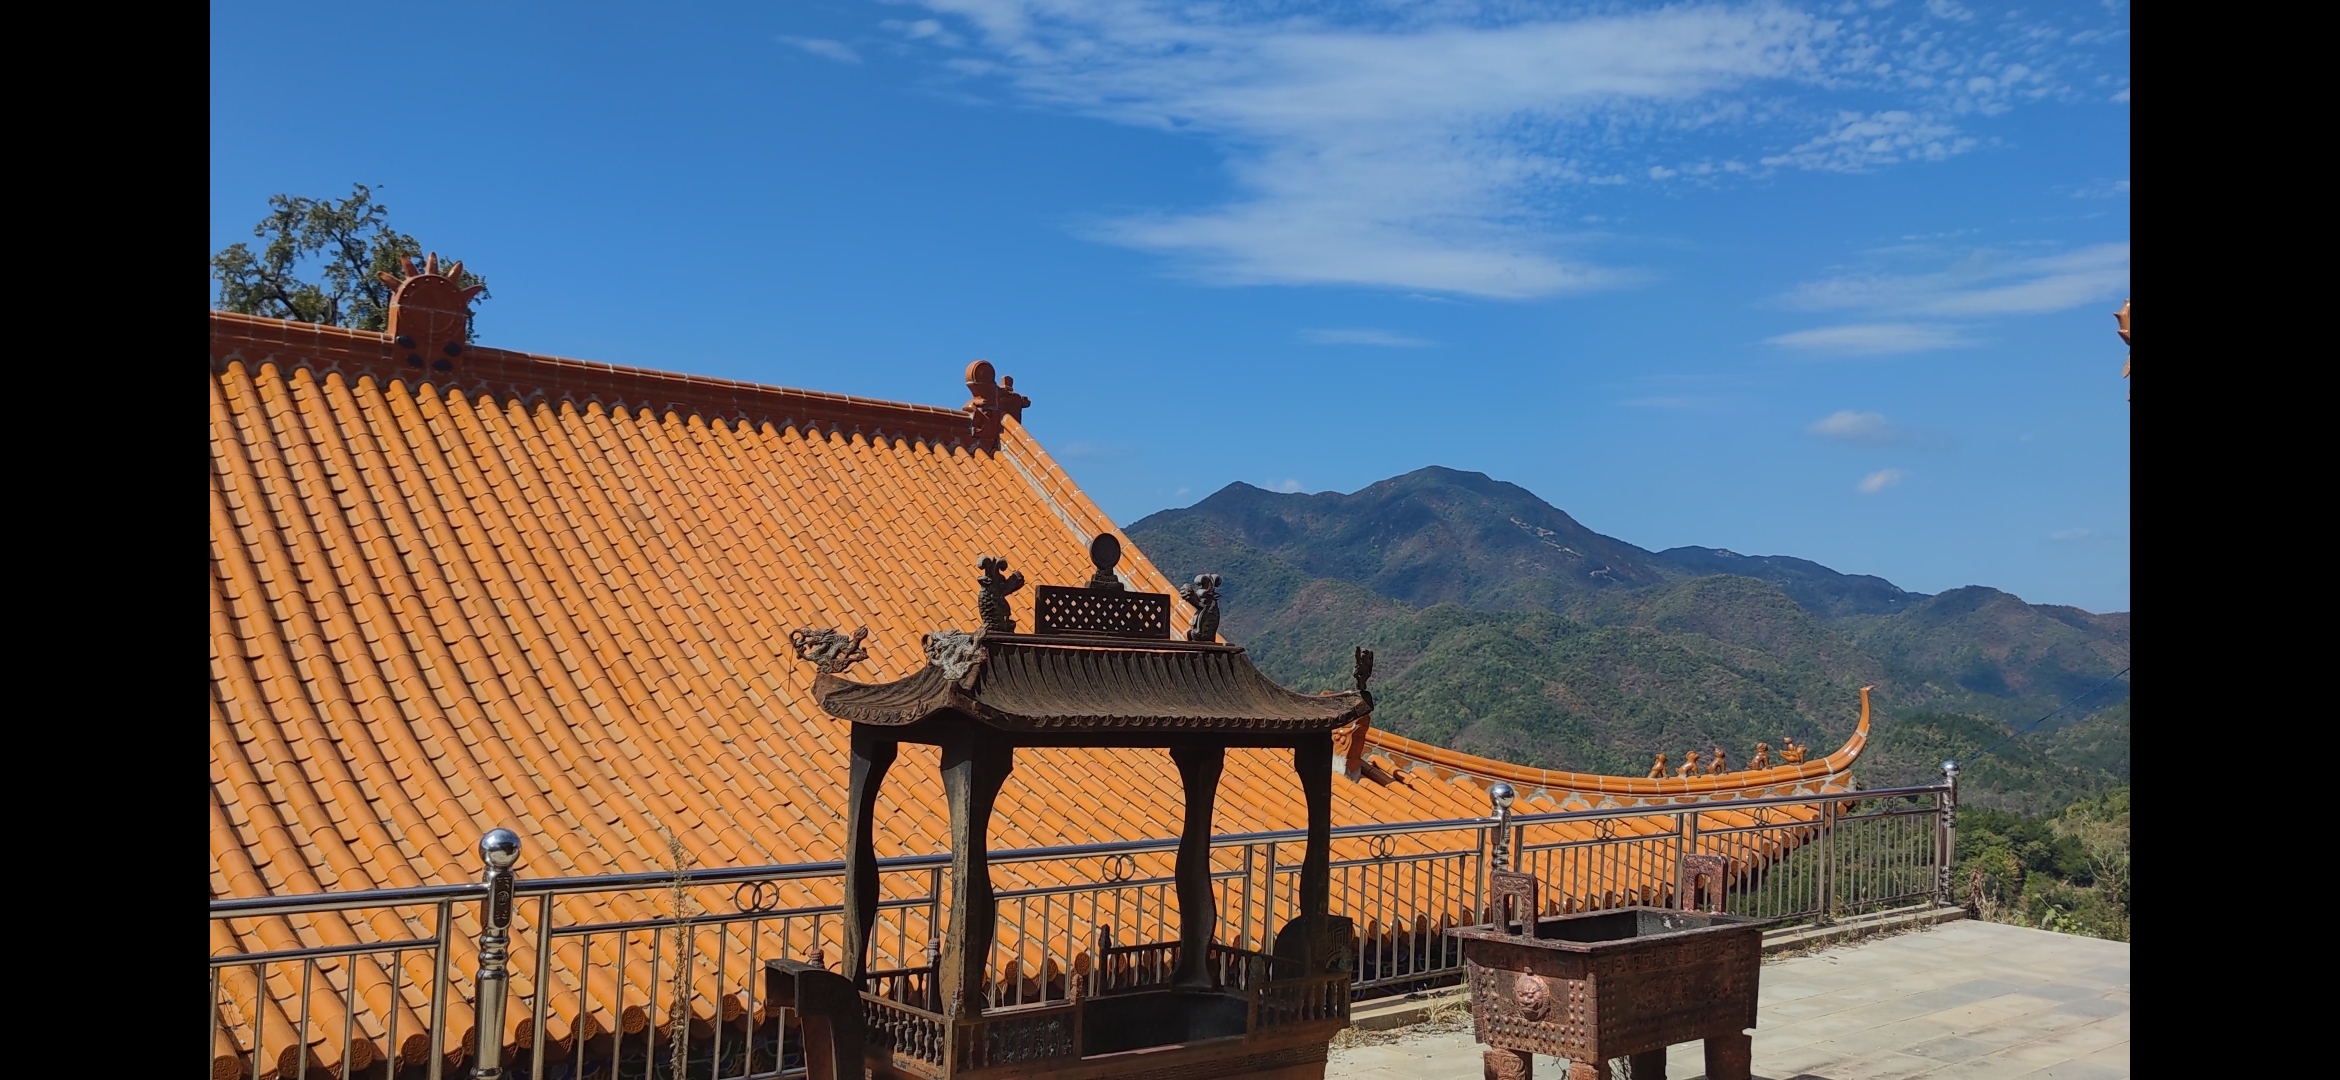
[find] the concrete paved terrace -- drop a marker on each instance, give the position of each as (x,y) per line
(1965,1000)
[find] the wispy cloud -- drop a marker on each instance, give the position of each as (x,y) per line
(824,47)
(1975,284)
(1879,481)
(2067,535)
(1979,283)
(1288,487)
(2099,189)
(924,30)
(1858,428)
(1439,147)
(1365,336)
(1860,142)
(1872,339)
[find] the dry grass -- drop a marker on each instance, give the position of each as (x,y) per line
(1816,947)
(678,1039)
(1447,1014)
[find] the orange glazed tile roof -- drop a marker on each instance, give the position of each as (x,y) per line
(554,596)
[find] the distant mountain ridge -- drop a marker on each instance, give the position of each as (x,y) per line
(1508,628)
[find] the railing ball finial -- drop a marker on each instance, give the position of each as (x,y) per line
(1501,794)
(500,848)
(1950,768)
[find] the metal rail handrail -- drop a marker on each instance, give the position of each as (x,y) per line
(247,907)
(1796,871)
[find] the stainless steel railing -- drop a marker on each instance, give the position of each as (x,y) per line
(588,966)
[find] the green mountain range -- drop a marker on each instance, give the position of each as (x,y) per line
(1503,627)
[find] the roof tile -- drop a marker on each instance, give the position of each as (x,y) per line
(564,608)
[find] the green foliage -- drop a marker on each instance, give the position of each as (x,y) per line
(343,247)
(2036,773)
(2068,873)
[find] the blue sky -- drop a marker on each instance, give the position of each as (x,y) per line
(1829,280)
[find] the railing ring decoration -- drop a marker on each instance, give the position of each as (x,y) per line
(756,897)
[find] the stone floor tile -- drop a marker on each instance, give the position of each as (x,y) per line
(2097,1006)
(1978,1001)
(1953,1048)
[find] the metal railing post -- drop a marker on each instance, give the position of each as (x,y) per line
(1688,828)
(500,848)
(1267,925)
(446,950)
(1250,871)
(1479,876)
(934,921)
(1501,794)
(1946,832)
(1827,912)
(541,1008)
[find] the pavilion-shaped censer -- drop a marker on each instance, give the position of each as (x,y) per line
(1099,670)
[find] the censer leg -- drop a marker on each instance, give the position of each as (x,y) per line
(1589,1070)
(1509,1064)
(1649,1066)
(1730,1057)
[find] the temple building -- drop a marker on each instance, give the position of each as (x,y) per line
(456,589)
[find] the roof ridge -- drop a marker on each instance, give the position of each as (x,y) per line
(1410,754)
(509,374)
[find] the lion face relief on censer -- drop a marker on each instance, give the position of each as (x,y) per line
(1534,998)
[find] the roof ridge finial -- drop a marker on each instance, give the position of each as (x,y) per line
(1105,554)
(2122,319)
(430,312)
(829,650)
(991,401)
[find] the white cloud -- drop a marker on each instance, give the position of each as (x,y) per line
(1437,147)
(1364,336)
(1859,142)
(1879,481)
(824,47)
(1980,283)
(1858,428)
(1872,339)
(924,30)
(1288,487)
(2071,534)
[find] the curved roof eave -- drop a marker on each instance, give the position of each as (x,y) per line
(1596,791)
